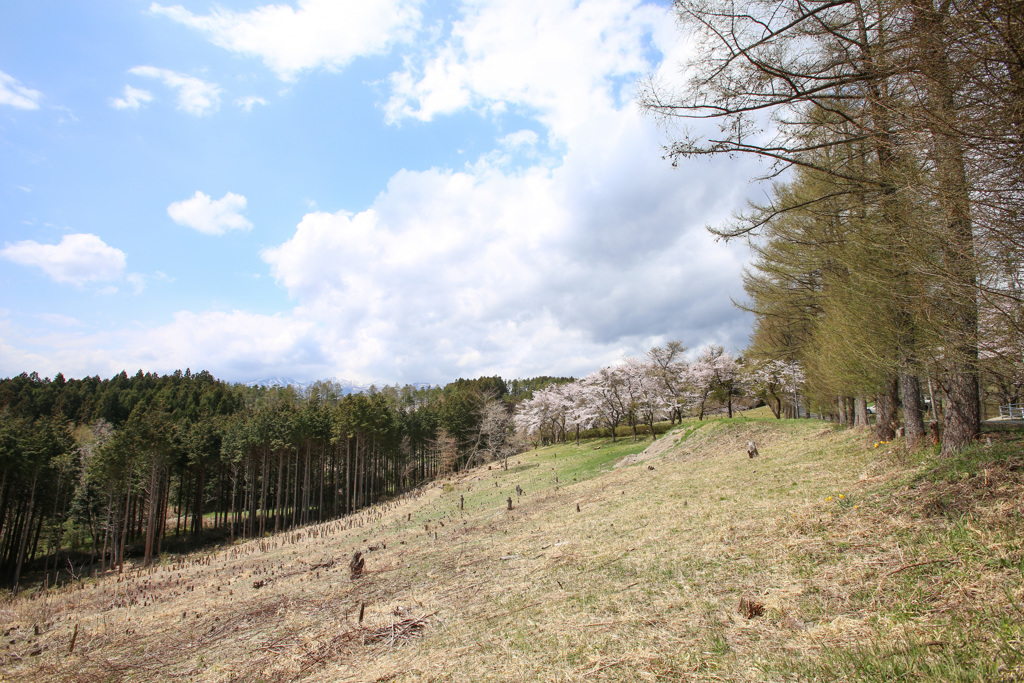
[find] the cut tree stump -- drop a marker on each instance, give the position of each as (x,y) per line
(355,567)
(749,608)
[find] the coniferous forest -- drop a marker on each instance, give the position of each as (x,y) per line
(93,470)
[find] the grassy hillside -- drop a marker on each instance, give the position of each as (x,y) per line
(826,558)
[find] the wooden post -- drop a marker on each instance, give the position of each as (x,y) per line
(74,637)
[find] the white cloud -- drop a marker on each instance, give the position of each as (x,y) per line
(314,34)
(133,98)
(211,216)
(14,359)
(551,269)
(537,271)
(516,53)
(65,114)
(195,96)
(14,94)
(521,138)
(137,281)
(58,319)
(77,259)
(235,343)
(588,247)
(247,103)
(230,344)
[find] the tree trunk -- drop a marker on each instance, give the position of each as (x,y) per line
(264,488)
(165,495)
(305,487)
(177,506)
(885,411)
(913,422)
(124,527)
(24,531)
(959,281)
(323,475)
(357,474)
(963,410)
(348,475)
(197,502)
(281,484)
(231,513)
(56,526)
(860,412)
(153,509)
(296,520)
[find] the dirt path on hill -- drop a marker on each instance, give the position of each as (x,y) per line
(657,447)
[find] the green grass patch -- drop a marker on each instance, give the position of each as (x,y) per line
(973,461)
(944,658)
(573,464)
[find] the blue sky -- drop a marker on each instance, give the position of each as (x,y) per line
(388,191)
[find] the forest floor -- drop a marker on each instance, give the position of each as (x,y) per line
(826,558)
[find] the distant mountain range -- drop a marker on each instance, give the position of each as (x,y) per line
(347,386)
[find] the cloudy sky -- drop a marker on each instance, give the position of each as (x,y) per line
(390,191)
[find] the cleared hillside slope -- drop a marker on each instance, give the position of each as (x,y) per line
(825,558)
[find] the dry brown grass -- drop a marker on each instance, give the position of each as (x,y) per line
(644,583)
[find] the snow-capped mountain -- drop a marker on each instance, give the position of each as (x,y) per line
(275,382)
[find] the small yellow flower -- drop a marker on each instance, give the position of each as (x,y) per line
(842,496)
(856,507)
(876,445)
(829,499)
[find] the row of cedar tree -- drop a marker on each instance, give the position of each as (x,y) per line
(889,250)
(91,469)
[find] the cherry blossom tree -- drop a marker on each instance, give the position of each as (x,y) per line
(700,379)
(668,365)
(580,414)
(647,399)
(726,374)
(606,397)
(773,381)
(548,414)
